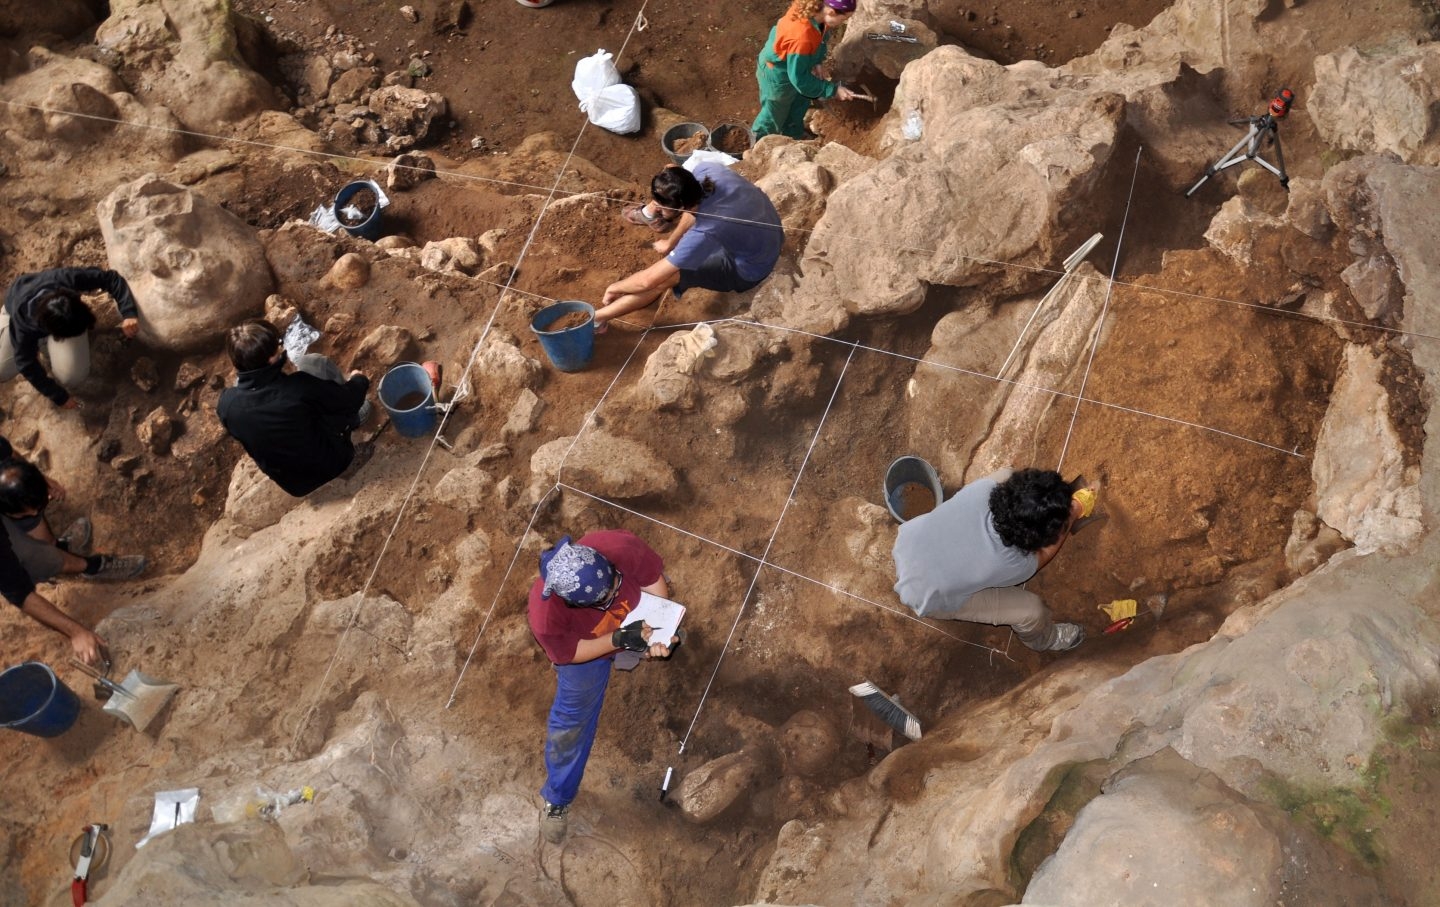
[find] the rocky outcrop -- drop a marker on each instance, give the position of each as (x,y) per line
(1376,103)
(1008,172)
(1363,485)
(604,464)
(189,52)
(194,267)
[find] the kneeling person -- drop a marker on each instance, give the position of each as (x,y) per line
(966,559)
(727,238)
(295,425)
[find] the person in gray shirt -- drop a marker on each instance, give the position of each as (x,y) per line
(967,558)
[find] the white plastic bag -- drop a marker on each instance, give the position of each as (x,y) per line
(594,73)
(616,108)
(608,102)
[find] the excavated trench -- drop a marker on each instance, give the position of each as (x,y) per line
(1198,419)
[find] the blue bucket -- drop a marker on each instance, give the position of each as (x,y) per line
(409,398)
(912,488)
(569,349)
(34,700)
(369,228)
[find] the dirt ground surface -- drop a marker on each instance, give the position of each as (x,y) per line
(1196,518)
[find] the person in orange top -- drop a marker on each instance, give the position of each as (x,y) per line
(788,66)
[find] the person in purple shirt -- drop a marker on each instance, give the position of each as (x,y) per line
(727,238)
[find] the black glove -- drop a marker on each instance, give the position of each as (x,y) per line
(630,637)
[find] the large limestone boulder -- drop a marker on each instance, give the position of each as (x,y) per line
(798,177)
(253,502)
(1374,102)
(80,98)
(244,863)
(1007,169)
(605,465)
(1166,832)
(190,52)
(1363,484)
(195,268)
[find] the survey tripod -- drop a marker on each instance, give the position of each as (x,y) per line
(1262,128)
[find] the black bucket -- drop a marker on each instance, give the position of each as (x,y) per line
(912,488)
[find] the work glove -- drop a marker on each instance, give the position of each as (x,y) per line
(630,637)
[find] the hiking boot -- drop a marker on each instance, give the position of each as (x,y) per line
(553,822)
(76,537)
(118,566)
(1067,637)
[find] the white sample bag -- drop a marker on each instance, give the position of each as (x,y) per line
(608,102)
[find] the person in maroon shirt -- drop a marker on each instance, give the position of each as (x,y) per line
(584,591)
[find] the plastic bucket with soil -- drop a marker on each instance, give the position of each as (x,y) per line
(912,488)
(684,139)
(357,208)
(733,139)
(567,333)
(409,397)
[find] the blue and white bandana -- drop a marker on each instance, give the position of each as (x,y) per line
(577,573)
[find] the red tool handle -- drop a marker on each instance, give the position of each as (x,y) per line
(77,892)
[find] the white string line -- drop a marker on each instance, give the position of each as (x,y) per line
(535,514)
(865,241)
(1104,310)
(799,474)
(1020,385)
(434,441)
(768,563)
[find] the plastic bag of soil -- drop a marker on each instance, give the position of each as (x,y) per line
(608,102)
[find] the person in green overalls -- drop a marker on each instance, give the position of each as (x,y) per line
(788,65)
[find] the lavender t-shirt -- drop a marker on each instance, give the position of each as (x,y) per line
(737,217)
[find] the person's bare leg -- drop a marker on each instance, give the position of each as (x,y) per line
(632,302)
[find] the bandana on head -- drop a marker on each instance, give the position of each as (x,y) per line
(841,6)
(577,573)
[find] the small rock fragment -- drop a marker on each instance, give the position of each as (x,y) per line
(144,374)
(189,375)
(157,431)
(409,13)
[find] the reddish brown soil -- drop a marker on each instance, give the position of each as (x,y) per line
(1193,515)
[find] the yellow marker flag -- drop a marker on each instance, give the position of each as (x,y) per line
(1119,609)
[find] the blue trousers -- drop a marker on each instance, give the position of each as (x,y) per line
(570,732)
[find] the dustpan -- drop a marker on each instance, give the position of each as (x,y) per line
(137,699)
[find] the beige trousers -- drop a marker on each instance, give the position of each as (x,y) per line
(69,358)
(1011,606)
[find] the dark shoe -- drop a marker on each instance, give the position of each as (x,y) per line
(118,567)
(553,822)
(1067,637)
(76,537)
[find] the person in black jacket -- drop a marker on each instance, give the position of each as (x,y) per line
(46,306)
(295,425)
(18,589)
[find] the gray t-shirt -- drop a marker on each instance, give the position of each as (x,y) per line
(947,555)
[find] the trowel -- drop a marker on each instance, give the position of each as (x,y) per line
(136,700)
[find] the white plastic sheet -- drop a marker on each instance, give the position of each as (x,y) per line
(173,808)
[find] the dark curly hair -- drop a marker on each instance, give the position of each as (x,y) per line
(1030,509)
